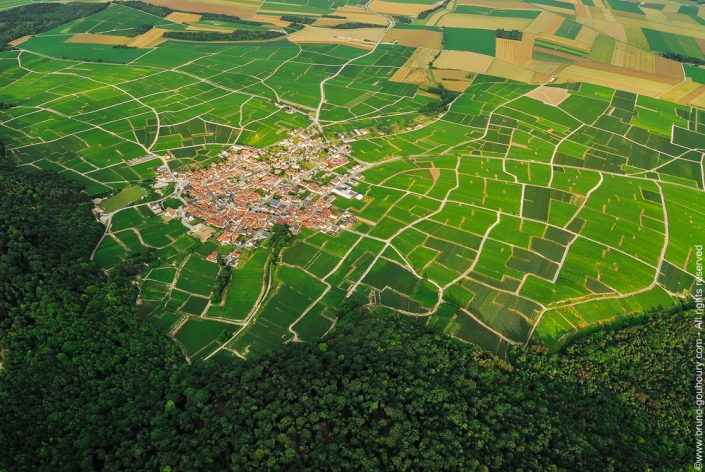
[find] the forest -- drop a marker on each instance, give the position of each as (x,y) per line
(86,385)
(40,17)
(682,58)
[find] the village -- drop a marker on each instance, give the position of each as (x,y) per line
(294,182)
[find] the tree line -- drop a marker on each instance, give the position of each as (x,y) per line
(514,35)
(87,385)
(682,58)
(445,98)
(306,20)
(356,25)
(438,7)
(402,19)
(237,35)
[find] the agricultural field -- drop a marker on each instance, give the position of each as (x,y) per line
(556,181)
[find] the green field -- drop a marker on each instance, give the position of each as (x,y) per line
(660,41)
(569,29)
(469,39)
(244,289)
(624,6)
(696,74)
(197,334)
(123,198)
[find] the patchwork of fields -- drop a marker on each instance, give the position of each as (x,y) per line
(519,211)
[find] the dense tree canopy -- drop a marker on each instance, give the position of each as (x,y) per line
(80,371)
(308,20)
(85,385)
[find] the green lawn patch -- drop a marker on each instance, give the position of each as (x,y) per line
(569,29)
(696,74)
(123,198)
(470,39)
(660,41)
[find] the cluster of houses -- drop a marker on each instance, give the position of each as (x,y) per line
(229,259)
(293,182)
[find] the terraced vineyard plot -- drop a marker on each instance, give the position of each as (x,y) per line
(197,276)
(197,335)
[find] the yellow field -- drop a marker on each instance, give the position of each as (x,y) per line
(614,30)
(623,81)
(328,22)
(558,9)
(271,19)
(150,39)
(459,20)
(396,8)
(515,52)
(453,80)
(696,97)
(415,38)
(90,38)
(701,44)
(464,61)
(582,12)
(358,13)
(683,92)
(546,22)
(545,67)
(508,5)
(20,40)
(360,38)
(417,70)
(633,58)
(668,67)
(412,76)
(586,36)
(421,58)
(654,15)
(549,95)
(507,70)
(596,13)
(243,9)
(181,17)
